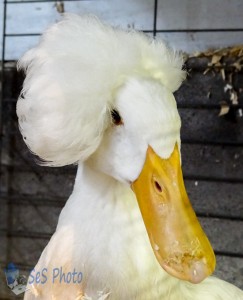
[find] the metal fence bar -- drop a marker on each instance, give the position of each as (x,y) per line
(43,1)
(2,75)
(155,17)
(154,31)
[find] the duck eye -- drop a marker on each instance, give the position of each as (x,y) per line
(116,118)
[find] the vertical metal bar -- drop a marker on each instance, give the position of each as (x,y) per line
(2,86)
(1,107)
(2,76)
(155,17)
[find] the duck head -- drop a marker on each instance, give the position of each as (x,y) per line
(142,148)
(105,95)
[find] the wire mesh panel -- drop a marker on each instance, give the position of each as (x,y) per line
(212,146)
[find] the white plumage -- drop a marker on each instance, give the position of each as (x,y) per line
(81,71)
(77,67)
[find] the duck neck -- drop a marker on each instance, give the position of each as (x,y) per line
(94,181)
(96,195)
(94,184)
(104,213)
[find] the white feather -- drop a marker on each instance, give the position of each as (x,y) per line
(77,68)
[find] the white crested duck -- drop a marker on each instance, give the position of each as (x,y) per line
(102,97)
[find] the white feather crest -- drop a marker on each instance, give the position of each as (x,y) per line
(71,81)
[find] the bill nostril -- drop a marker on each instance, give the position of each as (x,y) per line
(157,186)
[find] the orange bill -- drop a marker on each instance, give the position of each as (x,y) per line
(176,236)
